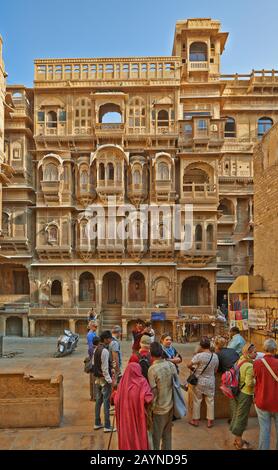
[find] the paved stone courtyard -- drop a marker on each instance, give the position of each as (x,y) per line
(35,356)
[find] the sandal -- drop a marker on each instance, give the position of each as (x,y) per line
(194,423)
(245,445)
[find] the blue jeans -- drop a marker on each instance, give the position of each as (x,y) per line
(264,418)
(103,394)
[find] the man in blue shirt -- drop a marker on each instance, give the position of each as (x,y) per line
(90,336)
(237,341)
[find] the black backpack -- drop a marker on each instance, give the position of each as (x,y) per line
(145,362)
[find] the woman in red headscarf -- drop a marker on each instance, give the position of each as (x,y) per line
(132,396)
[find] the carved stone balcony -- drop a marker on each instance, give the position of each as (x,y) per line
(52,191)
(136,247)
(86,249)
(195,66)
(49,252)
(110,248)
(137,193)
(161,248)
(208,137)
(56,129)
(86,194)
(106,188)
(164,191)
(198,256)
(109,129)
(195,192)
(14,244)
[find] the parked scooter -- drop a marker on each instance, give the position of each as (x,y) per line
(66,343)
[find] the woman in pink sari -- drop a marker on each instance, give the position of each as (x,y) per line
(132,396)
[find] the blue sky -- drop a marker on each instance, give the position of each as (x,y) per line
(110,28)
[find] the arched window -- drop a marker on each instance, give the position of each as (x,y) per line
(56,293)
(137,113)
(87,291)
(84,178)
(17,151)
(53,234)
(5,224)
(56,288)
(51,119)
(209,237)
(101,170)
(198,52)
(264,124)
(84,232)
(136,177)
(110,113)
(50,172)
(83,114)
(163,118)
(137,288)
(230,127)
(163,172)
(110,171)
(198,237)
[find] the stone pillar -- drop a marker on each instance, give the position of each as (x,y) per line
(125,291)
(25,327)
(75,293)
(250,211)
(32,325)
(72,325)
(65,295)
(34,297)
(124,328)
(151,292)
(2,325)
(98,296)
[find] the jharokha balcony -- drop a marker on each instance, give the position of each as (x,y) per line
(197,192)
(109,128)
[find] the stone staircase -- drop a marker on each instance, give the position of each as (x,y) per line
(111,315)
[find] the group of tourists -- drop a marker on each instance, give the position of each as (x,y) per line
(143,392)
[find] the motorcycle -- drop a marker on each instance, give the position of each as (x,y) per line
(66,344)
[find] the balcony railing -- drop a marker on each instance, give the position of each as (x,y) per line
(110,127)
(164,185)
(203,65)
(196,190)
(51,128)
(82,130)
(108,185)
(161,68)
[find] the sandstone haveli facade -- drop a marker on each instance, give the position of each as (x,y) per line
(142,130)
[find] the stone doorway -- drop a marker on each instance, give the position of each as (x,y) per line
(14,326)
(111,300)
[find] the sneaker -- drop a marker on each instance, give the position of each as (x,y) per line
(98,426)
(110,429)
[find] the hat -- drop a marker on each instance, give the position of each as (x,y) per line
(116,329)
(145,340)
